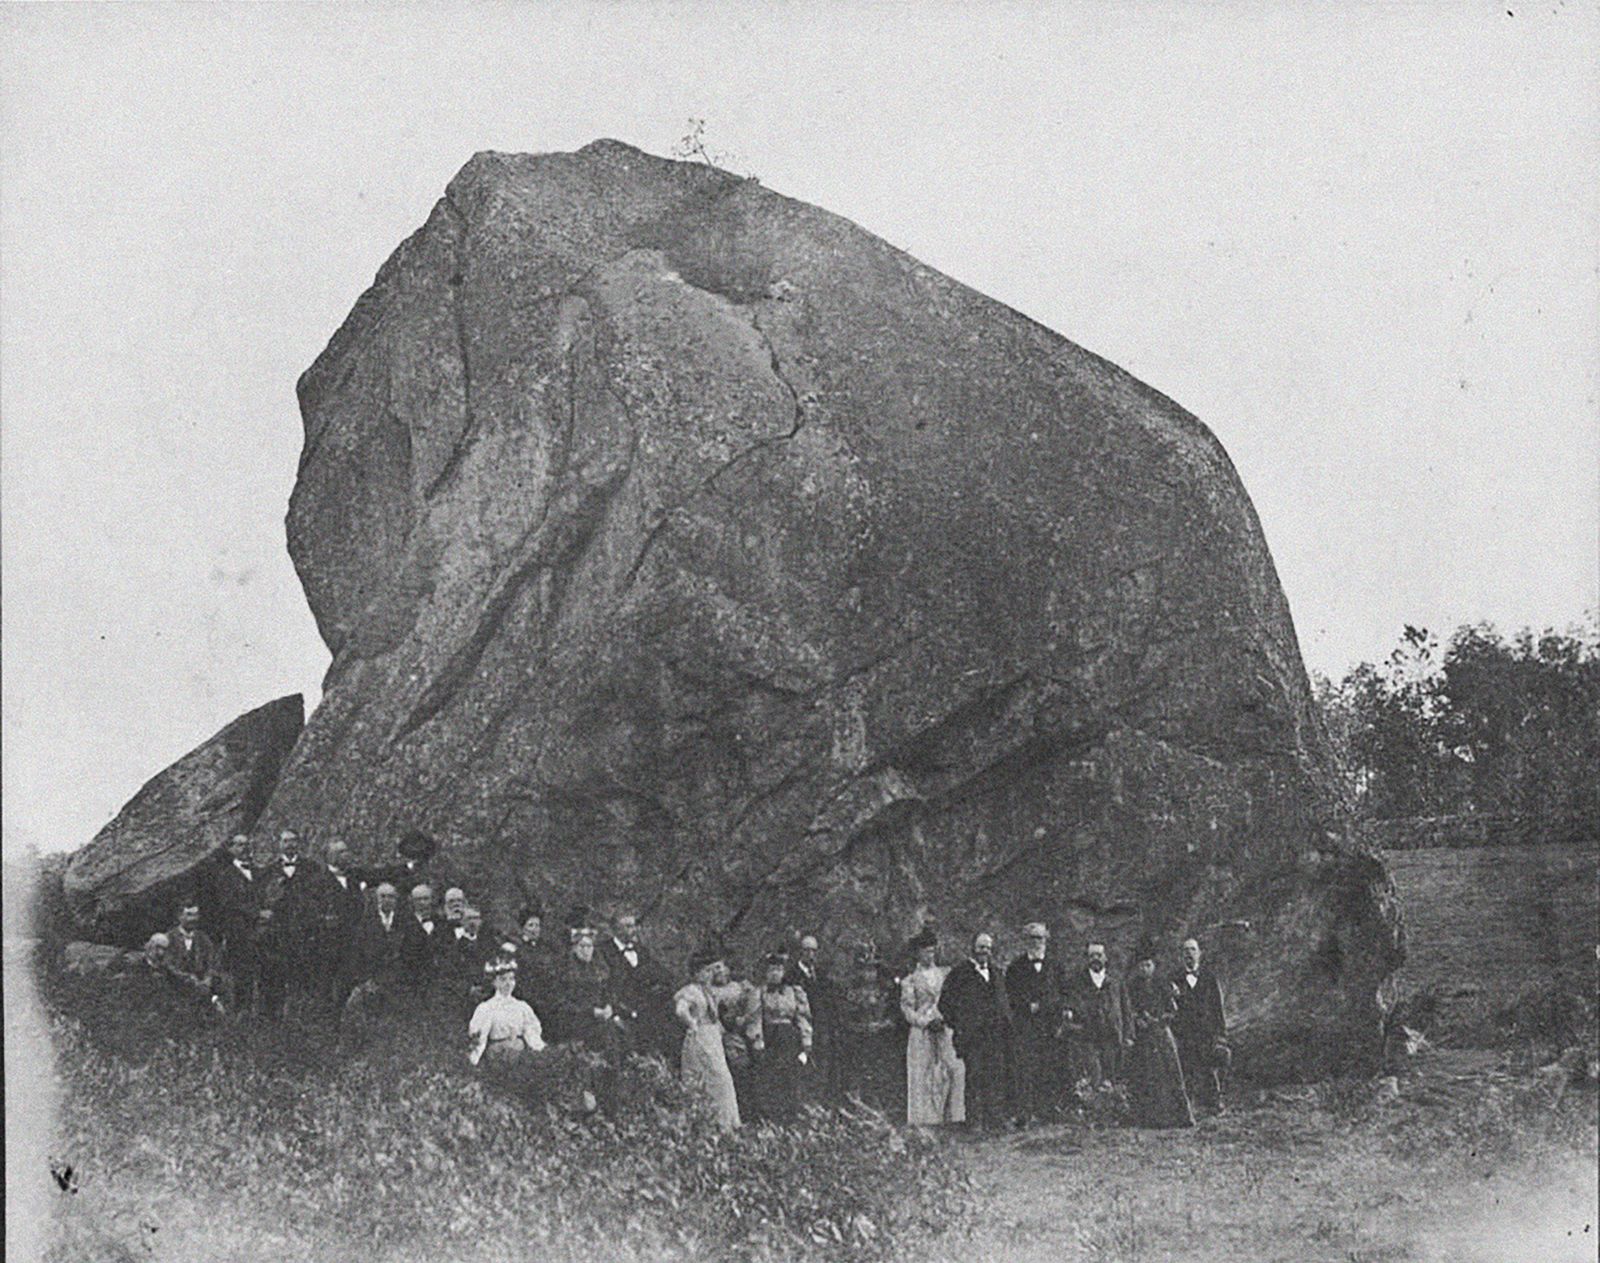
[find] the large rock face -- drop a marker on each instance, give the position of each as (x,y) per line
(127,881)
(682,544)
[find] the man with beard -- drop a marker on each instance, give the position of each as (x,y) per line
(818,1075)
(975,1009)
(1200,1029)
(1036,989)
(455,911)
(641,990)
(1096,1021)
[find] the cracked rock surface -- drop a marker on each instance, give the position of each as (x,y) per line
(682,544)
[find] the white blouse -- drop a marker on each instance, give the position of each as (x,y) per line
(503,1017)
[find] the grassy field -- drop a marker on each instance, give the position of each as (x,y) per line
(243,1142)
(1463,1160)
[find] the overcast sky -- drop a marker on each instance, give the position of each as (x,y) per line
(1359,242)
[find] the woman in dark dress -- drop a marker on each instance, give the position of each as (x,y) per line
(778,1029)
(1155,1076)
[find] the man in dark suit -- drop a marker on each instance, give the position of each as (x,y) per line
(1200,1029)
(1096,1022)
(819,1076)
(424,941)
(232,891)
(193,957)
(975,1009)
(295,892)
(1036,987)
(466,949)
(641,990)
(378,953)
(343,901)
(377,961)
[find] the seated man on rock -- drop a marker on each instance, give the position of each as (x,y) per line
(160,985)
(193,958)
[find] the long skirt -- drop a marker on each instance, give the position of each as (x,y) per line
(935,1079)
(776,1073)
(1155,1081)
(705,1074)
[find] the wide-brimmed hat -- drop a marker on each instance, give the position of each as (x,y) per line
(925,937)
(1147,948)
(705,954)
(500,965)
(416,845)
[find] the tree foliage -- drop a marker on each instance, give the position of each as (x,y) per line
(1479,725)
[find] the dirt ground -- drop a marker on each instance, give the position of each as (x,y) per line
(1467,1164)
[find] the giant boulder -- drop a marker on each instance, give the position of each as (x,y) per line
(127,881)
(681,544)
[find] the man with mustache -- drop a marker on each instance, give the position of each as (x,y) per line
(1096,1020)
(1200,1029)
(975,1008)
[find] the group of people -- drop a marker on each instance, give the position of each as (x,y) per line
(988,1045)
(983,1045)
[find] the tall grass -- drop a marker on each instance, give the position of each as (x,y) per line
(203,1140)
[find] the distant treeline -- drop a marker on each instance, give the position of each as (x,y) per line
(1482,737)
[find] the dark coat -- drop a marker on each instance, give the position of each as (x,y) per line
(379,954)
(1037,995)
(536,983)
(200,960)
(976,1012)
(297,899)
(823,997)
(230,904)
(1199,1020)
(422,952)
(581,988)
(1097,1016)
(462,961)
(642,995)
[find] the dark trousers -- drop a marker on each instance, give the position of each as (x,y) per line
(1200,1073)
(985,1060)
(272,985)
(1036,1069)
(1097,1060)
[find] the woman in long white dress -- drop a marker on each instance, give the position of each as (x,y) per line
(935,1077)
(503,1027)
(704,1064)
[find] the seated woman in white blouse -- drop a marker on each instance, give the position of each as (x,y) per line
(502,1026)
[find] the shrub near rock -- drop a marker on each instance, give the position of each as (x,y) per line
(403,1152)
